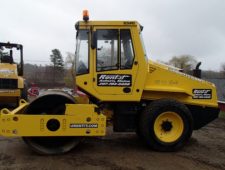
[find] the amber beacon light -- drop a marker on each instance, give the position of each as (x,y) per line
(85,15)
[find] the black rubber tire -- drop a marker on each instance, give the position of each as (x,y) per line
(50,104)
(139,134)
(149,115)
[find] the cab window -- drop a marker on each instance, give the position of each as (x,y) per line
(82,53)
(126,50)
(107,50)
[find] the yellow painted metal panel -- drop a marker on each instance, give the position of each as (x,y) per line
(166,82)
(79,120)
(8,70)
(9,92)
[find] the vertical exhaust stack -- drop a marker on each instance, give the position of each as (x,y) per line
(197,72)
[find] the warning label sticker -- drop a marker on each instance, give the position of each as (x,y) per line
(202,93)
(114,80)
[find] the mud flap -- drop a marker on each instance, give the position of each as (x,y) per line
(203,115)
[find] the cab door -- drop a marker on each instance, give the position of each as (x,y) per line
(115,66)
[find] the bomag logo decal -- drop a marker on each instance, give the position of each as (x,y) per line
(6,72)
(7,91)
(128,23)
(202,93)
(77,125)
(122,80)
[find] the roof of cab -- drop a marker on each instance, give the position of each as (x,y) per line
(108,23)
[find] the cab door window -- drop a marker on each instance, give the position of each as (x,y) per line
(82,53)
(107,50)
(126,49)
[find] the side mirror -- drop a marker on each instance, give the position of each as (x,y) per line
(94,40)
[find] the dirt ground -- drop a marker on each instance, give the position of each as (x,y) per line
(206,150)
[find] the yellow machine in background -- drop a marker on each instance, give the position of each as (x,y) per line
(162,105)
(12,87)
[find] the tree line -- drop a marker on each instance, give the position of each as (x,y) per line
(187,63)
(61,73)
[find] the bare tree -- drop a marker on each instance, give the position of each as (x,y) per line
(70,64)
(185,62)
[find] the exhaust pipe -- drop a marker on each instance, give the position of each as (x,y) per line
(197,72)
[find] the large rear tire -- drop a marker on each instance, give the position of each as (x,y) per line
(50,104)
(166,125)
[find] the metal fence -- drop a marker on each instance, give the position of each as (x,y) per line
(220,85)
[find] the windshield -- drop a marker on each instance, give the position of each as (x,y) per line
(9,55)
(82,63)
(143,45)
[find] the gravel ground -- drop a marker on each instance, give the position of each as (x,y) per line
(206,150)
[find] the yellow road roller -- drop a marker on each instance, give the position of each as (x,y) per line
(12,84)
(123,88)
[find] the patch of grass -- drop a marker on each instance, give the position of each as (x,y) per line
(222,114)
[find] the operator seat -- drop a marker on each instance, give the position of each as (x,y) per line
(7,59)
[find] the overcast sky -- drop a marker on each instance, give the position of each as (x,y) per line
(171,27)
